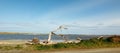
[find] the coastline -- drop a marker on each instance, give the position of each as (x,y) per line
(59,50)
(92,45)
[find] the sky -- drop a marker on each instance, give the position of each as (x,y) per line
(43,16)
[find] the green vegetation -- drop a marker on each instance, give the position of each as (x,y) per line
(84,44)
(18,47)
(9,47)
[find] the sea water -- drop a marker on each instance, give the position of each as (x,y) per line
(44,37)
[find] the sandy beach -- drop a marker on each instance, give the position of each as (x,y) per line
(13,41)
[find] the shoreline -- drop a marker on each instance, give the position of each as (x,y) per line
(19,41)
(92,44)
(13,41)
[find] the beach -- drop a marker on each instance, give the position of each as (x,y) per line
(13,42)
(23,45)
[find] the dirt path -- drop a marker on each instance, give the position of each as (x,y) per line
(102,50)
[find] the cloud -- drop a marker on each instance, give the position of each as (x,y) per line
(98,22)
(74,7)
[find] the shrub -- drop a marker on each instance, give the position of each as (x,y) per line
(59,45)
(18,47)
(91,43)
(8,48)
(115,39)
(43,47)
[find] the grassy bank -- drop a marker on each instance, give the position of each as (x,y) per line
(84,44)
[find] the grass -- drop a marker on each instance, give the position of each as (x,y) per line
(92,43)
(9,47)
(84,44)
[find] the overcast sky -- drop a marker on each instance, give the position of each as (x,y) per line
(42,16)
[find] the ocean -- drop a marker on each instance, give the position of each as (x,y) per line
(44,36)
